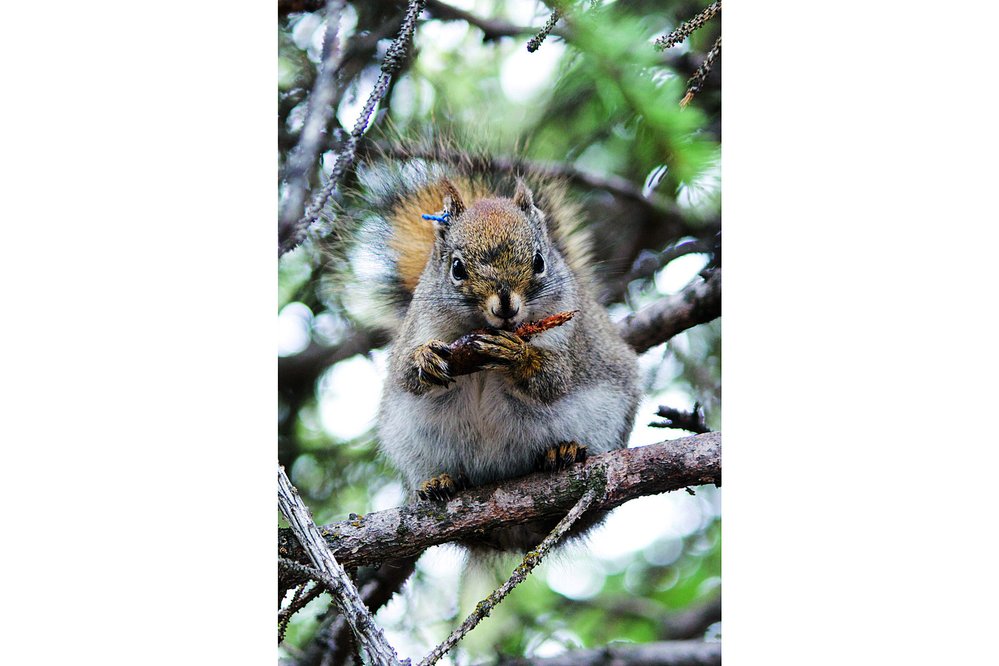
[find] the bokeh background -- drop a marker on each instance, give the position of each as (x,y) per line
(598,101)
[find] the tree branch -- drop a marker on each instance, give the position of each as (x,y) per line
(687,28)
(409,530)
(696,81)
(492,29)
(692,421)
(531,560)
(535,43)
(330,573)
(304,368)
(330,642)
(692,623)
(302,160)
(698,303)
(290,235)
(663,653)
(648,262)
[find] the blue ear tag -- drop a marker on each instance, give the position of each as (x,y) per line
(443,218)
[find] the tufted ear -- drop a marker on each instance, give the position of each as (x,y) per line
(453,205)
(523,197)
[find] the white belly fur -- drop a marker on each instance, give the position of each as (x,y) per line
(481,429)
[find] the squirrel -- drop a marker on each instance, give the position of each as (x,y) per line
(470,247)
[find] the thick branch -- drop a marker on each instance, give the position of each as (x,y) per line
(698,303)
(664,653)
(627,474)
(331,574)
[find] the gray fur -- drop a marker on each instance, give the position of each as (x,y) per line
(497,424)
(485,426)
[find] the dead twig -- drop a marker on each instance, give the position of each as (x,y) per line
(292,235)
(696,81)
(302,160)
(329,572)
(303,595)
(687,28)
(531,560)
(535,42)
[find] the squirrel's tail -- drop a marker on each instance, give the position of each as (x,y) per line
(403,182)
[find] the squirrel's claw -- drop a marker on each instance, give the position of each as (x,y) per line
(510,352)
(503,347)
(562,455)
(440,488)
(431,363)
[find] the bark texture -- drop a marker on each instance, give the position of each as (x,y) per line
(698,303)
(369,636)
(619,476)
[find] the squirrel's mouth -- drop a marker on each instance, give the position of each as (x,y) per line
(507,324)
(504,323)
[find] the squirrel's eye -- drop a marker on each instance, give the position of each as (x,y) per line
(539,263)
(458,271)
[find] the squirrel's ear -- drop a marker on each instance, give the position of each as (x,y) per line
(453,205)
(523,197)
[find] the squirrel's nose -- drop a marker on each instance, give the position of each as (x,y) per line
(505,313)
(508,307)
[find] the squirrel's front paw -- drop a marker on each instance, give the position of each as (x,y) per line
(431,364)
(562,455)
(508,351)
(440,488)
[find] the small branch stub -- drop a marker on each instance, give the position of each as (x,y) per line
(696,81)
(677,418)
(535,42)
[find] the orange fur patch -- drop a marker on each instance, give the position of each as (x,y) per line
(412,238)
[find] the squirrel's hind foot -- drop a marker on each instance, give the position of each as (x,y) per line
(562,455)
(440,488)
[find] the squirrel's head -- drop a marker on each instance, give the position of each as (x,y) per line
(496,258)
